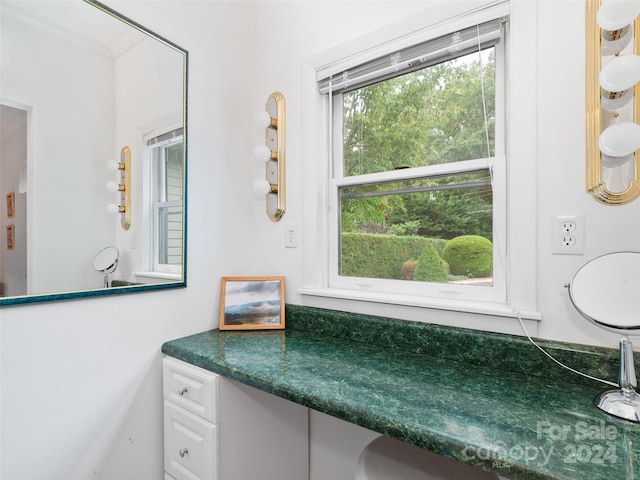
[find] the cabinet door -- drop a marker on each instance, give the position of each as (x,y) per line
(191,387)
(262,437)
(190,445)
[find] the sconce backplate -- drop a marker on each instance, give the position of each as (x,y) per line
(595,183)
(125,195)
(276,168)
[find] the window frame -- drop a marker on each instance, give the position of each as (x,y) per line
(496,293)
(153,188)
(496,164)
(519,176)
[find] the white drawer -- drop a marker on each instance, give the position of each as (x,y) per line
(190,445)
(191,387)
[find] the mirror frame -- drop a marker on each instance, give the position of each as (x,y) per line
(595,185)
(101,292)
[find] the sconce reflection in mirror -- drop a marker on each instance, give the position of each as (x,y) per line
(124,188)
(273,155)
(606,291)
(613,100)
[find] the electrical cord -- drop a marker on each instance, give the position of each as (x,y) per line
(559,362)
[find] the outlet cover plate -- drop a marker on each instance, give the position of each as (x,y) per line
(567,234)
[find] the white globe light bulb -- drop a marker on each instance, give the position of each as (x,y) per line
(621,73)
(260,188)
(113,209)
(620,140)
(261,154)
(113,186)
(113,165)
(262,119)
(616,14)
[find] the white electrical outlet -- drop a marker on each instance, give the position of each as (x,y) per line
(567,234)
(291,235)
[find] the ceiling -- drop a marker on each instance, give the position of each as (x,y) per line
(75,19)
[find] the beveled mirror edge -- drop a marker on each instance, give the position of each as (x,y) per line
(82,294)
(594,182)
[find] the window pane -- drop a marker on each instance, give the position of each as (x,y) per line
(399,230)
(174,164)
(169,220)
(440,114)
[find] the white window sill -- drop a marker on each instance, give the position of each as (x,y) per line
(171,277)
(480,308)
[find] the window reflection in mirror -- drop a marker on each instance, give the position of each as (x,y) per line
(109,83)
(165,175)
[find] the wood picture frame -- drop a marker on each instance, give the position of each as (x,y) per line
(252,303)
(11,237)
(11,205)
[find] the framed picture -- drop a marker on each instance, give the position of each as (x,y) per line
(252,303)
(11,239)
(11,205)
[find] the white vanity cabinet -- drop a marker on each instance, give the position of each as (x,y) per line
(191,430)
(219,429)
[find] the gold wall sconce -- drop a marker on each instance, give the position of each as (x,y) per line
(123,188)
(613,100)
(273,155)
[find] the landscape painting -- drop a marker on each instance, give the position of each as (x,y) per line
(252,303)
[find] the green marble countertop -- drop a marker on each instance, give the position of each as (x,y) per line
(520,426)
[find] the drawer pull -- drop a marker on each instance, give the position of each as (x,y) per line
(183,390)
(183,452)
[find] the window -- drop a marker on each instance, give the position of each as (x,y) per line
(509,167)
(418,159)
(165,200)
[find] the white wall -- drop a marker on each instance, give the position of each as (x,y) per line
(69,142)
(149,100)
(558,134)
(88,371)
(561,176)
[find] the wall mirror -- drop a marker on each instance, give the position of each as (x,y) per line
(613,100)
(80,84)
